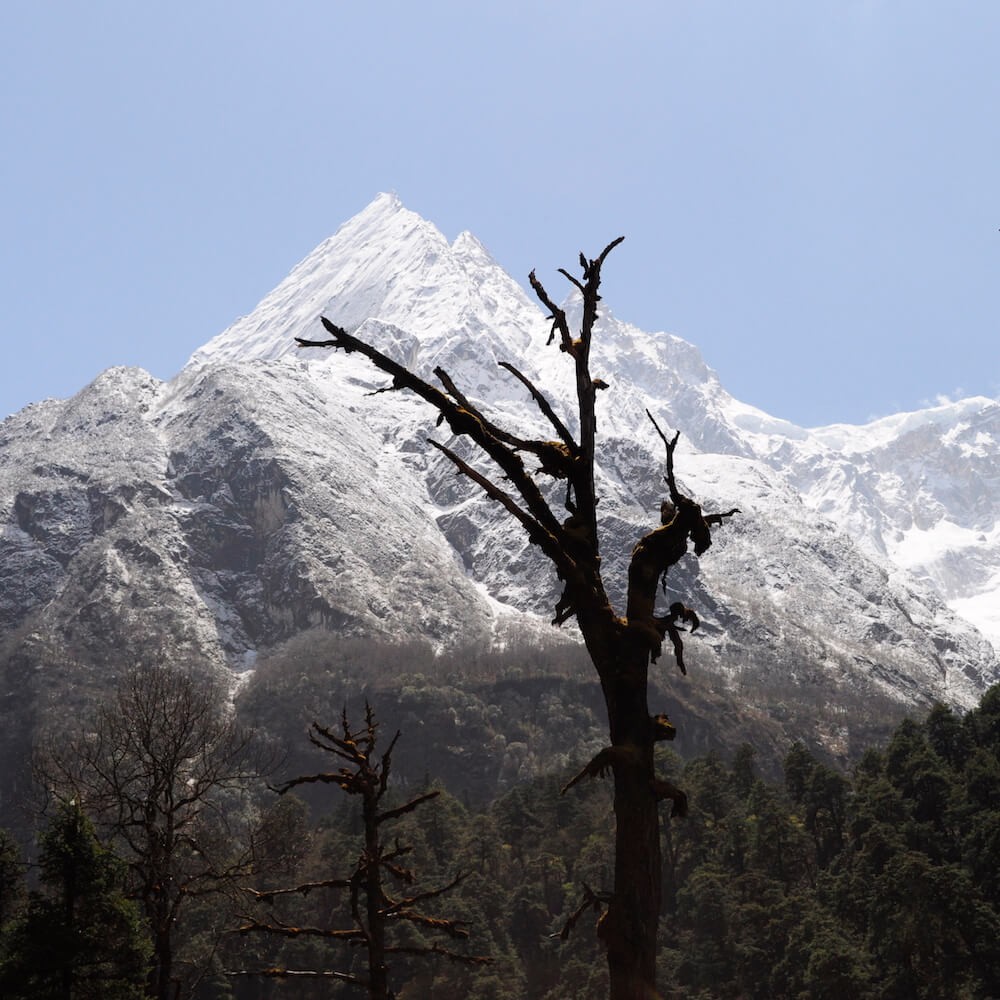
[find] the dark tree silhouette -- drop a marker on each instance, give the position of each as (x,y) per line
(373,910)
(621,647)
(79,937)
(164,770)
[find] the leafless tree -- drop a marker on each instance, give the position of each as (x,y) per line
(373,910)
(164,770)
(621,647)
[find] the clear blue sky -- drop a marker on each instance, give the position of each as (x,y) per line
(810,191)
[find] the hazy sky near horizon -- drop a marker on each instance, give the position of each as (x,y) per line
(810,192)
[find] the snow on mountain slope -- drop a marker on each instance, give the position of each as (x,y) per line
(264,491)
(388,264)
(918,489)
(246,501)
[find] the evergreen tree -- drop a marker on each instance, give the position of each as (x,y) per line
(11,878)
(79,937)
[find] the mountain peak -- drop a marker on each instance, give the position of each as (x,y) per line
(212,512)
(386,263)
(384,201)
(347,277)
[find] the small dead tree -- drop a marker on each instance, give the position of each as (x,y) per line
(373,910)
(620,647)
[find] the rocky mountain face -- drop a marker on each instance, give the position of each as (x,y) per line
(265,491)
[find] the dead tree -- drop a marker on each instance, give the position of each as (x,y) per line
(373,910)
(621,647)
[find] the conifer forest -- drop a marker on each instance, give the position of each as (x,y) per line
(792,874)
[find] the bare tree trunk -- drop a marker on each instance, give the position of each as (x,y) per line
(378,975)
(161,975)
(368,777)
(628,928)
(621,648)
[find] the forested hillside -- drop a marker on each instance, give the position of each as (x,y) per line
(791,876)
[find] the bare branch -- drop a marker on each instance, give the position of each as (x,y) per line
(452,928)
(569,277)
(267,895)
(449,386)
(666,790)
(721,517)
(328,778)
(518,444)
(676,642)
(591,901)
(302,342)
(280,973)
(602,764)
(436,949)
(391,814)
(670,446)
(422,897)
(386,766)
(461,420)
(558,317)
(544,406)
(537,533)
(604,253)
(291,931)
(592,276)
(554,456)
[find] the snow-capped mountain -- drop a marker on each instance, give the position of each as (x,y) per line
(264,490)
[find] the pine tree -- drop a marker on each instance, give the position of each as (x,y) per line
(11,878)
(79,937)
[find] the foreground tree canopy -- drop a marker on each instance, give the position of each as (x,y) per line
(78,936)
(620,646)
